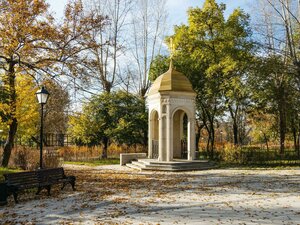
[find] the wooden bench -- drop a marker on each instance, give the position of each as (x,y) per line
(54,176)
(40,179)
(20,181)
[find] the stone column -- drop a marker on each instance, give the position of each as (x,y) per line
(191,138)
(150,133)
(169,138)
(160,138)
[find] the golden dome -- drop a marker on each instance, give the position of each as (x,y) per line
(172,80)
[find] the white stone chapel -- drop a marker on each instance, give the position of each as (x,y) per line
(171,103)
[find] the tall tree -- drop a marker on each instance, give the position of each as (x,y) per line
(104,62)
(215,54)
(281,20)
(239,50)
(31,43)
(148,29)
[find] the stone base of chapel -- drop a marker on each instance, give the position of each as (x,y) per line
(173,166)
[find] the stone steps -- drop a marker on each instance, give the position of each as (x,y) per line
(179,165)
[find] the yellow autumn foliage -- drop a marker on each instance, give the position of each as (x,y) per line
(27,109)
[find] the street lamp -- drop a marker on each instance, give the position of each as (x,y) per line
(42,97)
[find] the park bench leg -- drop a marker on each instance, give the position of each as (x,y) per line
(38,191)
(63,186)
(15,194)
(49,190)
(73,185)
(72,182)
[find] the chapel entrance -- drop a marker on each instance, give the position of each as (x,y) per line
(180,134)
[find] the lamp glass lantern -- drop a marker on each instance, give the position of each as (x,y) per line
(42,95)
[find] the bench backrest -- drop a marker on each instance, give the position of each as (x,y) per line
(21,178)
(53,173)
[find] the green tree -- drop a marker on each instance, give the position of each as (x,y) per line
(237,64)
(272,92)
(214,53)
(159,65)
(278,36)
(110,117)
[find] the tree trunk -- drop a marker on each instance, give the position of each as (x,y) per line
(266,141)
(296,137)
(235,133)
(282,123)
(235,128)
(105,141)
(298,141)
(294,132)
(13,125)
(198,135)
(197,141)
(208,144)
(212,142)
(9,144)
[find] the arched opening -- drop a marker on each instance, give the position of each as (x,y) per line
(154,134)
(180,134)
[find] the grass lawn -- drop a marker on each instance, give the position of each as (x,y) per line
(6,170)
(99,162)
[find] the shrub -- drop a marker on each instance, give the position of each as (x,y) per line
(25,158)
(79,153)
(86,153)
(28,158)
(253,155)
(233,154)
(52,159)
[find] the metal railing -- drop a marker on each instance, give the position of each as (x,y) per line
(50,140)
(154,149)
(183,149)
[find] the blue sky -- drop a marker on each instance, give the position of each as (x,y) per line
(176,8)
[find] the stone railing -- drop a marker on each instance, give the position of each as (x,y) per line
(128,157)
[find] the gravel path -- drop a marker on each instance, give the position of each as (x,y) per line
(119,195)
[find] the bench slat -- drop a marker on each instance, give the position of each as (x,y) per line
(23,179)
(37,179)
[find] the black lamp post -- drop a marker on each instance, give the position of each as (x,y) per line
(42,97)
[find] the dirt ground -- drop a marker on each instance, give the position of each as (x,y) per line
(119,195)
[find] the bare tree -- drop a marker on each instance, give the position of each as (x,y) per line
(104,62)
(148,30)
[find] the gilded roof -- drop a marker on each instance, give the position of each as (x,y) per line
(172,80)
